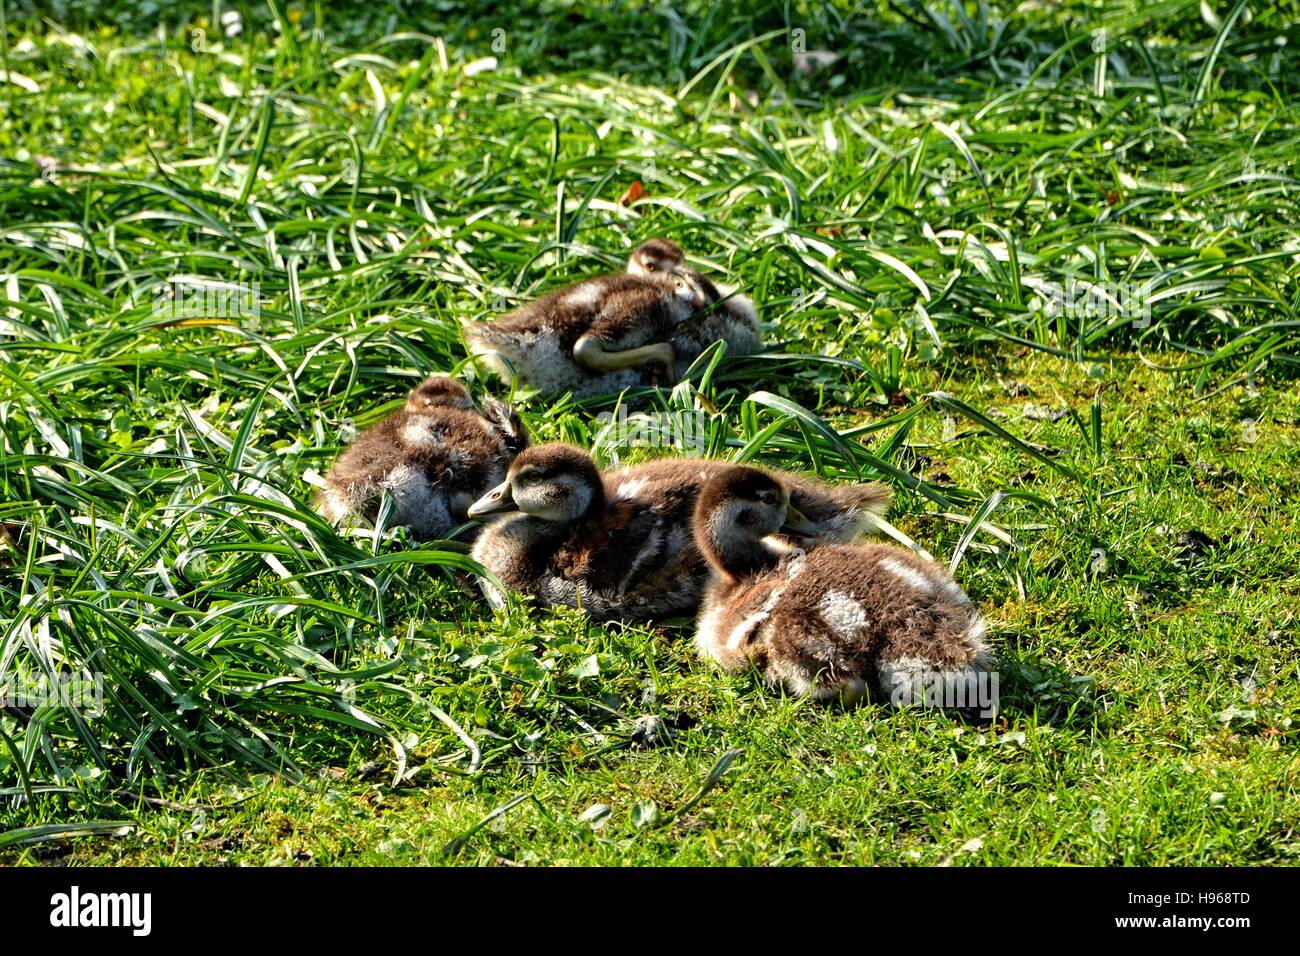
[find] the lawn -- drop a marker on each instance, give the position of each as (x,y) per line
(925,200)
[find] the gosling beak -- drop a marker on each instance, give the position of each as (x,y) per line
(496,501)
(796,524)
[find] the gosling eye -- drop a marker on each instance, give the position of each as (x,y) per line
(649,267)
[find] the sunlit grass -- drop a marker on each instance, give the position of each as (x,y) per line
(901,215)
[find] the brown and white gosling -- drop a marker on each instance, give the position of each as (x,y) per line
(730,316)
(837,622)
(599,336)
(613,332)
(619,545)
(435,457)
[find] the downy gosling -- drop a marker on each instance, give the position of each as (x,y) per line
(435,457)
(612,332)
(837,622)
(730,316)
(620,545)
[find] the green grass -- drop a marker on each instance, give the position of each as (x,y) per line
(276,693)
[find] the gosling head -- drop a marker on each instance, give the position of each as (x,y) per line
(659,258)
(655,257)
(557,483)
(693,288)
(738,516)
(439,391)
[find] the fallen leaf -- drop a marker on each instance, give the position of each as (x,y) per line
(634,192)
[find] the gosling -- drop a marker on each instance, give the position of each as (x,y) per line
(730,317)
(837,622)
(435,457)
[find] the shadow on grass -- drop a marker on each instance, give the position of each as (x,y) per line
(1028,686)
(814,49)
